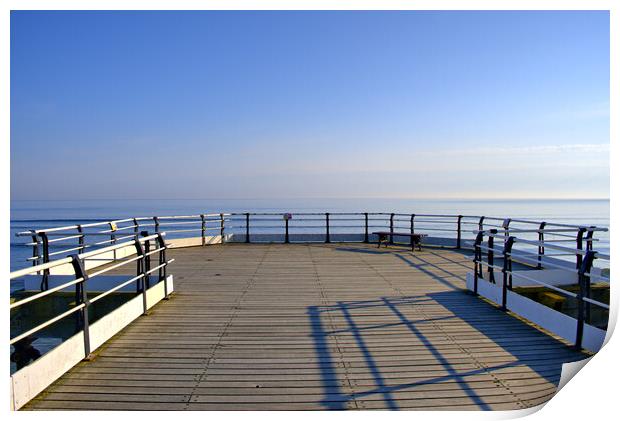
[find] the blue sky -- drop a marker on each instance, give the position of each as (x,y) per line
(309,104)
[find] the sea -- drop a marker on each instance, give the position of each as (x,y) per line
(37,214)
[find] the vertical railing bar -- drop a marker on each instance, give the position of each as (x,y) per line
(147,260)
(286,218)
(477,259)
(586,266)
(412,229)
(579,241)
(327,237)
(162,262)
(203,229)
(458,231)
(391,228)
(82,298)
(507,270)
(221,228)
(46,258)
(490,256)
(141,270)
(365,227)
(81,238)
(247,227)
(541,248)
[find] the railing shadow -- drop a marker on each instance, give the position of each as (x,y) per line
(512,338)
(476,313)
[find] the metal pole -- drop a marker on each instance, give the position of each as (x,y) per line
(506,225)
(458,231)
(366,227)
(412,229)
(46,259)
(327,239)
(222,228)
(391,228)
(490,256)
(81,238)
(584,271)
(286,239)
(481,224)
(140,284)
(507,269)
(147,260)
(541,248)
(203,229)
(82,296)
(35,248)
(156,221)
(162,260)
(247,227)
(580,233)
(477,260)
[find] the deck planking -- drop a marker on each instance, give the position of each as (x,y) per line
(318,326)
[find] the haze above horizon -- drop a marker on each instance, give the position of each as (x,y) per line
(433,105)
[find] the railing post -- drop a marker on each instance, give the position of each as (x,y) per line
(156,222)
(579,239)
(136,227)
(82,298)
(112,236)
(490,256)
(247,227)
(589,237)
(81,238)
(162,260)
(35,248)
(506,226)
(507,269)
(412,229)
(203,229)
(541,247)
(391,228)
(46,259)
(147,260)
(481,224)
(458,231)
(327,239)
(141,270)
(477,260)
(366,227)
(584,282)
(286,238)
(221,228)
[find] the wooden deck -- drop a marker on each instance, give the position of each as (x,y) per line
(339,326)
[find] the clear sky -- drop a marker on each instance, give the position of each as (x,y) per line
(309,104)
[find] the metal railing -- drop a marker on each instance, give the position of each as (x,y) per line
(504,246)
(51,243)
(454,230)
(145,246)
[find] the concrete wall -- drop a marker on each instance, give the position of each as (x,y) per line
(545,317)
(34,378)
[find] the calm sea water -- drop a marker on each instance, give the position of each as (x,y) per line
(27,214)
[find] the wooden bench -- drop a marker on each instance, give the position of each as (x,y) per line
(386,237)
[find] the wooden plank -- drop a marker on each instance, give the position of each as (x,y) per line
(315,326)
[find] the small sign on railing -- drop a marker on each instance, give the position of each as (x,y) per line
(287,216)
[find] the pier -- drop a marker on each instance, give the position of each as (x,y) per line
(334,323)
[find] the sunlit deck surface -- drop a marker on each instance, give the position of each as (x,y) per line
(324,326)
